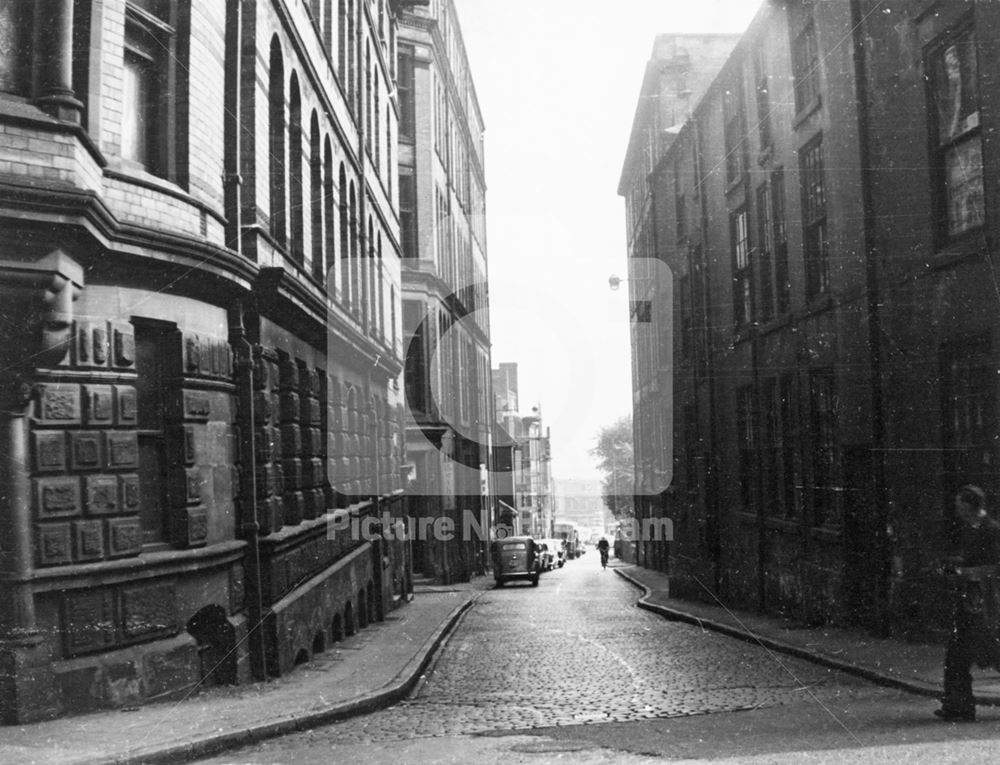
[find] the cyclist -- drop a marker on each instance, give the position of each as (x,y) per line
(602,547)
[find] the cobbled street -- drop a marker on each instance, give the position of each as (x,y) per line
(575,660)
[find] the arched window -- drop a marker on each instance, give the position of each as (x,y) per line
(392,317)
(381,289)
(353,228)
(329,274)
(316,197)
(368,97)
(377,132)
(295,170)
(328,23)
(388,149)
(345,246)
(341,41)
(351,58)
(276,148)
(369,277)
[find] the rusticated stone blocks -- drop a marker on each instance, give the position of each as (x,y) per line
(188,526)
(58,404)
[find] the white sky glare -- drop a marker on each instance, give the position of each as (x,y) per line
(557,82)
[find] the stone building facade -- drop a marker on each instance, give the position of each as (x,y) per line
(442,188)
(200,292)
(826,219)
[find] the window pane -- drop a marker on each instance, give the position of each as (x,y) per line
(805,65)
(964,185)
(135,100)
(956,88)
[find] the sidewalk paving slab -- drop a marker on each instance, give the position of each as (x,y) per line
(370,670)
(913,667)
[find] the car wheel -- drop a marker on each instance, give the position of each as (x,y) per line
(534,580)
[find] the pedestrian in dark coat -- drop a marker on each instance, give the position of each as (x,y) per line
(971,637)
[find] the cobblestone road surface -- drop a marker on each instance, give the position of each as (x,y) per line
(576,650)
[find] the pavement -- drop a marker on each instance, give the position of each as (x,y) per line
(386,661)
(913,667)
(373,669)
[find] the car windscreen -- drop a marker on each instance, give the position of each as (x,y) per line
(515,546)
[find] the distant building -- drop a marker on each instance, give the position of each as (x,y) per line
(582,502)
(529,445)
(825,216)
(442,191)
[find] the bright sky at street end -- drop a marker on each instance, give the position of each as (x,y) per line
(557,82)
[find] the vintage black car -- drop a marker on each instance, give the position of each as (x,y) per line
(516,558)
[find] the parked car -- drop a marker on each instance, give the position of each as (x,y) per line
(516,558)
(556,553)
(545,554)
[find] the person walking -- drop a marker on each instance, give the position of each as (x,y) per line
(971,637)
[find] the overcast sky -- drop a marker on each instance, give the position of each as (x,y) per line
(557,82)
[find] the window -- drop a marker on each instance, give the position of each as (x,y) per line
(148,85)
(343,219)
(746,432)
(815,244)
(779,237)
(296,182)
(377,132)
(763,99)
(368,97)
(765,250)
(316,206)
(341,41)
(969,416)
(157,361)
(737,160)
(408,212)
(958,146)
(739,239)
(276,148)
(380,288)
(642,311)
(805,67)
(329,273)
(823,417)
(415,374)
(405,95)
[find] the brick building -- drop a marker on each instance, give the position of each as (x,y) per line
(200,293)
(825,215)
(679,70)
(442,193)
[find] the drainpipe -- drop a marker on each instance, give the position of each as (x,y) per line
(249,523)
(874,327)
